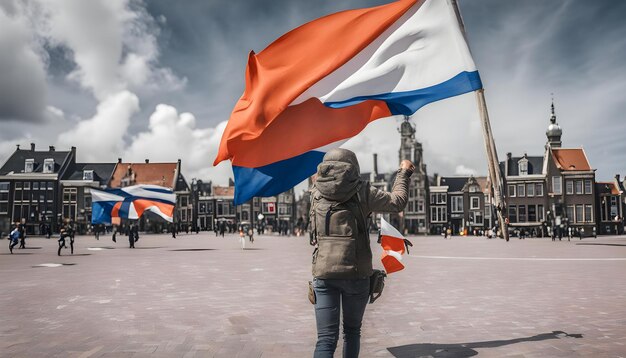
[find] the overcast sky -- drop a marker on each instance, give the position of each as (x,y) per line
(157,79)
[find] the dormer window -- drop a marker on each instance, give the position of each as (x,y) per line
(29,166)
(523,166)
(48,166)
(88,175)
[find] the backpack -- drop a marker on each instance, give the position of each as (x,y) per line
(337,232)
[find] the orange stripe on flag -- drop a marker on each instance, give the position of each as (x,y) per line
(297,60)
(392,243)
(391,264)
(142,204)
(116,209)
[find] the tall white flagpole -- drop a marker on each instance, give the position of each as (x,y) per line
(490,145)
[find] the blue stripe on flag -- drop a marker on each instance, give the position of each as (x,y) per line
(409,102)
(274,178)
(101,212)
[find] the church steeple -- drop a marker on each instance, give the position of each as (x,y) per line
(554,131)
(407,140)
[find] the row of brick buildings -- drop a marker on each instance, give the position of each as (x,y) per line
(555,191)
(45,187)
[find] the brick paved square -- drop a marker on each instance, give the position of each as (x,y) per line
(202,296)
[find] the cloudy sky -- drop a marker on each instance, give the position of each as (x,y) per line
(157,79)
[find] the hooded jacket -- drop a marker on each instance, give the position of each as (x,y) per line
(338,179)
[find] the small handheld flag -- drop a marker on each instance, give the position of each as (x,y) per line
(393,244)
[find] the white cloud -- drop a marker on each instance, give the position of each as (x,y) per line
(173,136)
(101,137)
(463,170)
(22,69)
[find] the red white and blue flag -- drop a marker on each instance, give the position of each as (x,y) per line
(393,247)
(323,82)
(131,202)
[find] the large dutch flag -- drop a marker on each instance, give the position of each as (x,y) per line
(323,82)
(131,202)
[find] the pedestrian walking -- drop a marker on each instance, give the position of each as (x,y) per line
(14,238)
(445,233)
(222,228)
(242,239)
(114,229)
(22,230)
(67,231)
(132,231)
(342,259)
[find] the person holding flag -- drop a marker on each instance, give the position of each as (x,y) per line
(342,260)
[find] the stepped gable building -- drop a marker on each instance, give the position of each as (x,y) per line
(459,203)
(30,187)
(550,193)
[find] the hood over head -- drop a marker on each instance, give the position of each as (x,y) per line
(338,175)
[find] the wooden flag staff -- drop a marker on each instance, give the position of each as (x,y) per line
(490,145)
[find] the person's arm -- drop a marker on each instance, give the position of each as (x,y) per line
(394,201)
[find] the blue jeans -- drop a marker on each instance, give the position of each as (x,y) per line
(331,295)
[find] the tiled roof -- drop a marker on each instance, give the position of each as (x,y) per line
(224,191)
(146,173)
(535,165)
(570,159)
(607,187)
(101,171)
(454,183)
(16,161)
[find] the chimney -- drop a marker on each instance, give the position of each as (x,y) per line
(32,147)
(375,164)
(18,146)
(147,161)
(617,177)
(437,179)
(508,155)
(119,160)
(51,148)
(73,149)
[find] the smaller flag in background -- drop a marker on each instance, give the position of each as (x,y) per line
(393,247)
(131,202)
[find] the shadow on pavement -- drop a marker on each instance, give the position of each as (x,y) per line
(592,244)
(462,350)
(252,248)
(193,250)
(148,247)
(31,248)
(17,253)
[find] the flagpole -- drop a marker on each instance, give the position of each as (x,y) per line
(490,144)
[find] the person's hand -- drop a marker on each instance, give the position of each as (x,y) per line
(406,164)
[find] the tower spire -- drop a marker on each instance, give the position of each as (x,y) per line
(554,131)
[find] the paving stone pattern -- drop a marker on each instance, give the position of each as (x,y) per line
(203,296)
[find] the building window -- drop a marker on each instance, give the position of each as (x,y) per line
(530,189)
(26,185)
(474,202)
(511,191)
(420,206)
(478,218)
(532,213)
(521,192)
(579,186)
(539,189)
(269,208)
(48,166)
(512,214)
(457,204)
(523,167)
(50,185)
(35,185)
(4,197)
(29,165)
(69,203)
(556,185)
(88,175)
(521,213)
(18,185)
(579,214)
(432,198)
(540,212)
(588,186)
(588,214)
(438,214)
(202,208)
(570,213)
(569,187)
